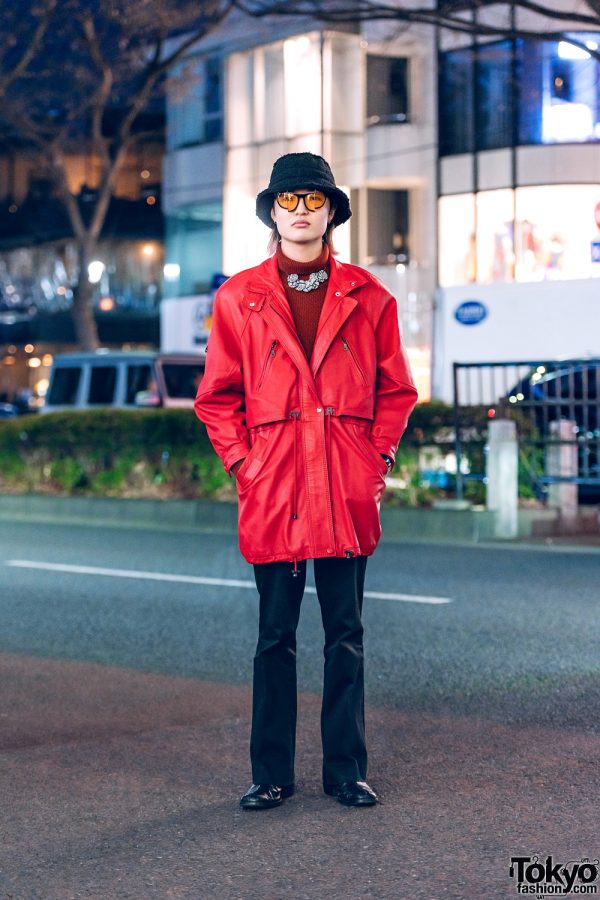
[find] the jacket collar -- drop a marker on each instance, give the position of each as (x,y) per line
(346,278)
(266,295)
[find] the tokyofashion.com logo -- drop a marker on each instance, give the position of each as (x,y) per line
(540,877)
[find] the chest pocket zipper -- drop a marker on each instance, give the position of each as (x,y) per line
(267,364)
(349,350)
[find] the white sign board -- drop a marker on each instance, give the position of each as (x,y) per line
(185,323)
(512,322)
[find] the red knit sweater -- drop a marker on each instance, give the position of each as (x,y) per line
(305,305)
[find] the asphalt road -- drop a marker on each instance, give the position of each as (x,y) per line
(125,664)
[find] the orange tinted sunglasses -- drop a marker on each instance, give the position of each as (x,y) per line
(288,200)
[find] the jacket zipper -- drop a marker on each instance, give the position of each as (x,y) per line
(295,415)
(269,358)
(354,359)
(329,413)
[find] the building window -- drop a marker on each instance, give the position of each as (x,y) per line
(560,100)
(554,84)
(455,102)
(387,89)
(542,233)
(126,275)
(555,232)
(194,238)
(195,103)
(494,92)
(387,214)
(457,247)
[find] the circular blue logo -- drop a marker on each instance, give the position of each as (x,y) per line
(471,312)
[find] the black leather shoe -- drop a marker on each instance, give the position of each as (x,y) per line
(264,796)
(352,793)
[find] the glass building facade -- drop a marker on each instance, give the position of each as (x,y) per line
(195,115)
(507,96)
(519,92)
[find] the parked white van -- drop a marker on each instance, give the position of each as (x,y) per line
(124,379)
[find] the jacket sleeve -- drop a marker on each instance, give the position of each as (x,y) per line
(220,401)
(395,392)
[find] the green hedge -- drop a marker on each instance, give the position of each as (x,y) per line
(166,453)
(111,452)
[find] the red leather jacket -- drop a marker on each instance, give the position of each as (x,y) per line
(311,432)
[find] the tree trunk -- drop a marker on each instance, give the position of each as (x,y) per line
(86,330)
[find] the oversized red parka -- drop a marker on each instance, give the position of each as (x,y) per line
(311,431)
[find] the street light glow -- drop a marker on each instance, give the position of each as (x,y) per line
(95,271)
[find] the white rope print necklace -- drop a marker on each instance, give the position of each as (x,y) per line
(310,284)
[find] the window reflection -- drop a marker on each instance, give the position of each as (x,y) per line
(195,107)
(550,86)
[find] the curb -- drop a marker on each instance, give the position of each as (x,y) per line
(448,525)
(203,515)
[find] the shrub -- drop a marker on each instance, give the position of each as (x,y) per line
(116,452)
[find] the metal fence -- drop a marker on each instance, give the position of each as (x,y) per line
(538,395)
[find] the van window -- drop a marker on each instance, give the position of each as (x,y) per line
(138,380)
(182,380)
(65,384)
(102,384)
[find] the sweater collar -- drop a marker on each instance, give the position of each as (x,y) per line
(292,266)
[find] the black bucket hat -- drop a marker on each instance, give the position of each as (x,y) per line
(302,170)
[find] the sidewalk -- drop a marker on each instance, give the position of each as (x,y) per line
(135,795)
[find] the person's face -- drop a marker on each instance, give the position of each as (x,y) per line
(302,225)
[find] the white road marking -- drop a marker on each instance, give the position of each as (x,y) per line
(197,579)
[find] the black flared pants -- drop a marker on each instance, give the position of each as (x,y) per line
(340,585)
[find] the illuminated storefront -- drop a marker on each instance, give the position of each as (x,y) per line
(535,233)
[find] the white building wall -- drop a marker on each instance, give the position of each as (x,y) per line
(523,322)
(304,93)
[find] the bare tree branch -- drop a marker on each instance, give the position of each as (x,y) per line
(449,16)
(85,85)
(446,16)
(27,51)
(102,95)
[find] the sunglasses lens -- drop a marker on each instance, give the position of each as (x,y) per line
(315,200)
(288,201)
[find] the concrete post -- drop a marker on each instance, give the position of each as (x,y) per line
(502,471)
(561,459)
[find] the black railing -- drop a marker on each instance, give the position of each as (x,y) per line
(535,394)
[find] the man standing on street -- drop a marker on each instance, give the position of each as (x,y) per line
(306,394)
